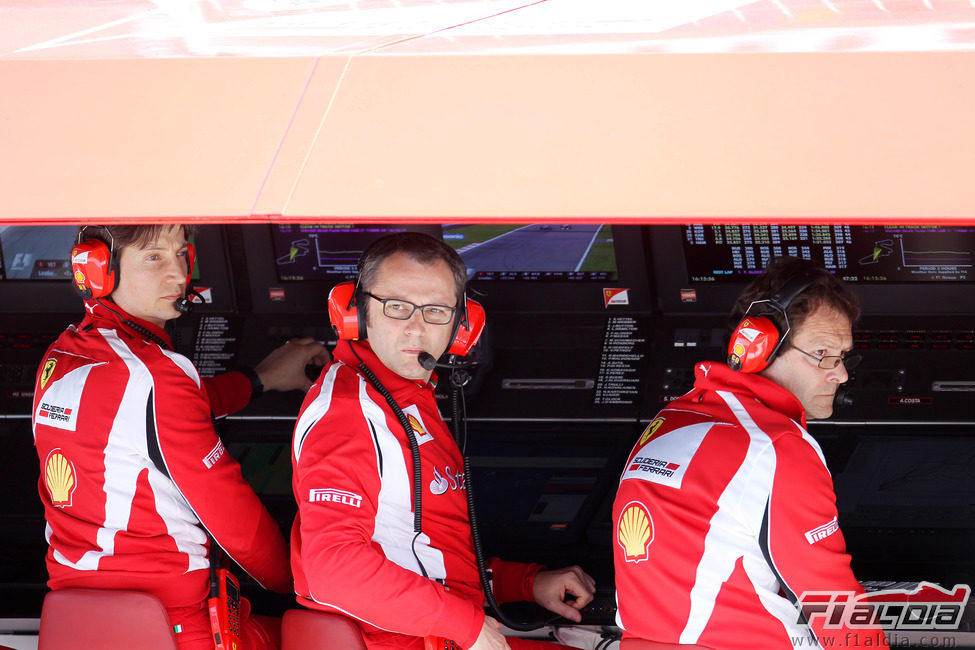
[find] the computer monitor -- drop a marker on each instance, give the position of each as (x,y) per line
(522,267)
(556,268)
(535,252)
(36,252)
(894,269)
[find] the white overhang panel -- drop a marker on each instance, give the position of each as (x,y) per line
(724,110)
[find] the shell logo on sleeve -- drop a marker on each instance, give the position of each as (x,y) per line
(59,476)
(634,532)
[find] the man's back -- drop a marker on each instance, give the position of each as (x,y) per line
(709,516)
(90,429)
(130,463)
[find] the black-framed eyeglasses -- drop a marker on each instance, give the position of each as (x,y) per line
(403,310)
(850,361)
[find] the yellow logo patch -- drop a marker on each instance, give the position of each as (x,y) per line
(59,477)
(48,371)
(417,427)
(650,430)
(635,532)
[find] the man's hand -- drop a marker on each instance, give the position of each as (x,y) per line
(490,637)
(552,587)
(284,368)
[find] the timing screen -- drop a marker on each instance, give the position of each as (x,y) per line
(535,251)
(36,252)
(854,253)
(327,252)
(491,252)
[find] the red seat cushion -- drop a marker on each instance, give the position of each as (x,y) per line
(96,619)
(305,629)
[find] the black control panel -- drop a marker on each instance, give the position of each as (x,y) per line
(908,374)
(569,371)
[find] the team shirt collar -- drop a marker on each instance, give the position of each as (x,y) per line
(712,375)
(97,312)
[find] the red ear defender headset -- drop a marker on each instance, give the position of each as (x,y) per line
(349,321)
(757,339)
(94,266)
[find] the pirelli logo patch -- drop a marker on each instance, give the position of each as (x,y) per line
(819,533)
(330,495)
(215,454)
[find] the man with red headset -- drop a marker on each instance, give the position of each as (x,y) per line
(367,425)
(135,481)
(725,513)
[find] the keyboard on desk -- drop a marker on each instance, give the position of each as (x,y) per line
(602,609)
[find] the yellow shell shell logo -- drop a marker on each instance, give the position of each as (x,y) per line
(79,277)
(417,427)
(739,349)
(60,479)
(48,371)
(650,430)
(635,532)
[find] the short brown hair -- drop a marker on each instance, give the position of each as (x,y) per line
(420,248)
(118,237)
(824,289)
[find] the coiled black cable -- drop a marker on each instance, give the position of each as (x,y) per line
(414,452)
(460,432)
(460,437)
(137,327)
(482,570)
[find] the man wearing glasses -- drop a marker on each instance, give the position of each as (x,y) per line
(354,547)
(725,513)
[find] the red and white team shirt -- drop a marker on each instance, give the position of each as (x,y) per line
(724,516)
(133,475)
(354,550)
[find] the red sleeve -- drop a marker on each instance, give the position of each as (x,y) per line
(228,393)
(512,581)
(803,542)
(344,569)
(210,479)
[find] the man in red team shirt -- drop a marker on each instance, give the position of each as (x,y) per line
(354,550)
(134,479)
(725,512)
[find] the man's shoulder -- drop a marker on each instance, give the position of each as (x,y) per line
(330,416)
(340,381)
(336,389)
(681,413)
(742,400)
(104,346)
(168,368)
